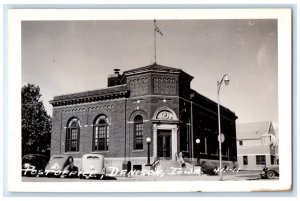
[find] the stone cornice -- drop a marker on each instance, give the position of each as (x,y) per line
(158,69)
(120,91)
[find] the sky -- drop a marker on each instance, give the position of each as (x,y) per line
(63,57)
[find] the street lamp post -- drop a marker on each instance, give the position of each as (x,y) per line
(192,95)
(226,80)
(148,140)
(198,152)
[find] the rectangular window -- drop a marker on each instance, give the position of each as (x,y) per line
(68,145)
(260,160)
(101,138)
(102,135)
(241,143)
(137,167)
(139,136)
(272,160)
(245,160)
(72,139)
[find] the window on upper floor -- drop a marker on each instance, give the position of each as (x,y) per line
(241,143)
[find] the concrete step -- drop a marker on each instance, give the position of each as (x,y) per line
(169,166)
(164,164)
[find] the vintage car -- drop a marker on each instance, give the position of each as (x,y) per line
(32,164)
(61,166)
(270,172)
(92,166)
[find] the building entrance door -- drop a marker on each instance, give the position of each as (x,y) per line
(164,144)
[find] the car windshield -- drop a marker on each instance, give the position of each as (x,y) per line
(58,157)
(92,157)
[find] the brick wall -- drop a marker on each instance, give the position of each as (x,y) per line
(87,113)
(147,92)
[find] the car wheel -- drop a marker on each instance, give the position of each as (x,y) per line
(271,174)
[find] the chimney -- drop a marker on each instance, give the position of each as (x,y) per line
(117,71)
(113,79)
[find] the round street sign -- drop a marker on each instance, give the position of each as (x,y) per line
(222,138)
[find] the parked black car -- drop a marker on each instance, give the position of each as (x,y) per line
(32,164)
(270,172)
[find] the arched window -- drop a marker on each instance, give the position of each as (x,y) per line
(101,134)
(73,135)
(138,132)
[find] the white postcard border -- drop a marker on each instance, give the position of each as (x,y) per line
(15,183)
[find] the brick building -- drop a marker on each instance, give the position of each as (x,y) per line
(153,101)
(257,145)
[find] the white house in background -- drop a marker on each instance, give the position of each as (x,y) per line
(256,145)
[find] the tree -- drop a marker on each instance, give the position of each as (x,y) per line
(36,123)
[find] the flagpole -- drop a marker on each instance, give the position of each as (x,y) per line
(154,41)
